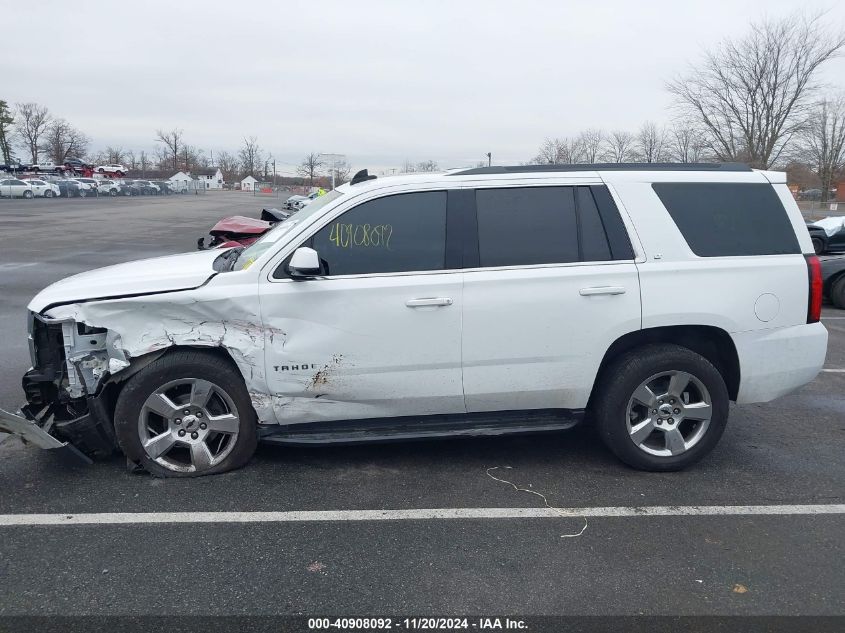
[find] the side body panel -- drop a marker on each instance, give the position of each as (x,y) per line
(761,301)
(532,341)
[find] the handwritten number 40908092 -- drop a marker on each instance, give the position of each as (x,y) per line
(367,235)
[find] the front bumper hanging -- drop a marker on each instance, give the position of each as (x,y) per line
(29,431)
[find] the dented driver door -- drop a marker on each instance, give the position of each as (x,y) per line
(378,333)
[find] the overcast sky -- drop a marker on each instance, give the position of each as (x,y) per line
(377,81)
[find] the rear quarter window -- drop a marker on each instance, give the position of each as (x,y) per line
(729,219)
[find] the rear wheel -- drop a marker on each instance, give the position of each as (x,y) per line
(101,170)
(818,245)
(112,192)
(82,193)
(186,414)
(661,407)
(837,293)
(48,194)
(27,194)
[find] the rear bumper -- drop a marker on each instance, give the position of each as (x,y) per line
(31,433)
(775,362)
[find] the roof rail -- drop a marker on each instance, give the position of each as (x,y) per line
(516,169)
(362,176)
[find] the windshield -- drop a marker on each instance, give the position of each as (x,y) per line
(257,249)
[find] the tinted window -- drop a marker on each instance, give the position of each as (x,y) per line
(594,246)
(721,219)
(394,234)
(526,225)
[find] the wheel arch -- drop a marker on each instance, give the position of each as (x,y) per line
(713,343)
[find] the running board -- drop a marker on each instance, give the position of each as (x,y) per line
(422,428)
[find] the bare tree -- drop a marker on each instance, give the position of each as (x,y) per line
(341,171)
(310,167)
(131,160)
(114,155)
(144,162)
(560,151)
(751,95)
(427,165)
(619,146)
(251,156)
(408,167)
(172,145)
(61,141)
(31,124)
(824,141)
(229,165)
(651,143)
(6,123)
(591,142)
(685,143)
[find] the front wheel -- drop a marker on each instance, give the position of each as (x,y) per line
(112,192)
(27,194)
(186,414)
(82,193)
(661,407)
(837,293)
(818,245)
(48,194)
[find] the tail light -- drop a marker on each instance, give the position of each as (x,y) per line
(814,304)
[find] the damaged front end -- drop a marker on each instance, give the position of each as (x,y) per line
(67,398)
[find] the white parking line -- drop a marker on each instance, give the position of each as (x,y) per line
(298,516)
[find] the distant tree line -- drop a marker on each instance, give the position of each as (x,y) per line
(754,100)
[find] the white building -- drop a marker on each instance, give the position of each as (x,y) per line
(248,183)
(181,181)
(211,178)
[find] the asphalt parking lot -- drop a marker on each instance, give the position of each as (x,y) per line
(788,453)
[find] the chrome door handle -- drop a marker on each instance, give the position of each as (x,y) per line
(601,290)
(434,301)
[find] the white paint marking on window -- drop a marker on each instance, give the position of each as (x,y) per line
(304,516)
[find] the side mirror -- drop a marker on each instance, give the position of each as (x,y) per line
(304,264)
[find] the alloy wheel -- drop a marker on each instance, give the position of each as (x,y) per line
(188,425)
(669,413)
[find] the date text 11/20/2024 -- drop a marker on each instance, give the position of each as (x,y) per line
(422,623)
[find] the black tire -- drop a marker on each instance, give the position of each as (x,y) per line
(112,192)
(818,245)
(837,293)
(27,194)
(626,373)
(48,194)
(189,364)
(101,170)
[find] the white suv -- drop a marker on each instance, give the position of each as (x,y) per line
(476,302)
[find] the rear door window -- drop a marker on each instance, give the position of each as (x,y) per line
(523,226)
(729,219)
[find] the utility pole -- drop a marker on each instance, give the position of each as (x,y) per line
(489,158)
(274,173)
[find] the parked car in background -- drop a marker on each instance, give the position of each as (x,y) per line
(833,280)
(827,234)
(14,188)
(14,167)
(46,167)
(117,169)
(108,188)
(43,189)
(67,188)
(130,188)
(76,165)
(292,203)
(93,183)
(147,188)
(85,189)
(163,186)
